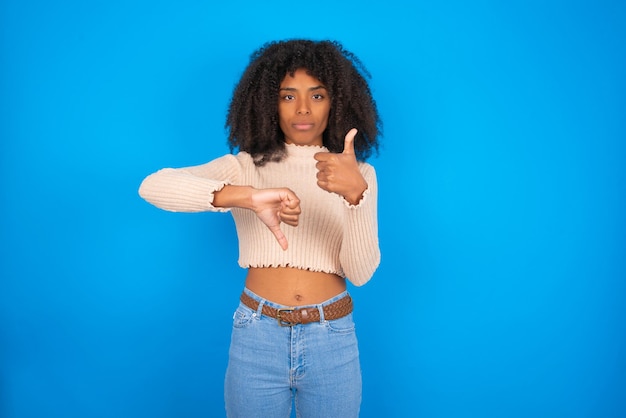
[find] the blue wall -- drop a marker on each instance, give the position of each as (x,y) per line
(503,189)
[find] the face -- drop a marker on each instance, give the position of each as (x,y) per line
(303,108)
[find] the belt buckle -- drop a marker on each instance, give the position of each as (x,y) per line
(281,321)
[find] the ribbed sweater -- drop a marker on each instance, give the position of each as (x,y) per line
(332,235)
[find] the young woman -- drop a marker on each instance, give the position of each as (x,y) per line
(303,122)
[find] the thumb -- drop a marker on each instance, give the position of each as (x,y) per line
(280,237)
(348,147)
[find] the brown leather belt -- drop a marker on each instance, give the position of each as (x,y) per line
(291,316)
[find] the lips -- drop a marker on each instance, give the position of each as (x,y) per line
(303,126)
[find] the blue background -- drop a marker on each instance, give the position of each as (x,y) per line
(502,195)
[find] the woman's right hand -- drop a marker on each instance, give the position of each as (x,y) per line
(273,206)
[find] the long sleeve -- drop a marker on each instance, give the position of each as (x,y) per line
(332,235)
(190,189)
(360,252)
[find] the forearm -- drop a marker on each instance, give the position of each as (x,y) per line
(179,191)
(360,252)
(192,189)
(231,196)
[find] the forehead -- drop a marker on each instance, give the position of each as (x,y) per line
(301,77)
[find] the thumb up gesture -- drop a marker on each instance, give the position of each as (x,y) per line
(339,173)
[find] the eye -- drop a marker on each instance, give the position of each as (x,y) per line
(288,97)
(318,96)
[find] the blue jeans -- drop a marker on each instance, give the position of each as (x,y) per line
(317,364)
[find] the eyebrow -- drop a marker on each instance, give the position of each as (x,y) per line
(310,88)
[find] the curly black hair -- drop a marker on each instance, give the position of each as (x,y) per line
(252,117)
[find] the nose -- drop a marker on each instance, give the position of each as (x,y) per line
(303,107)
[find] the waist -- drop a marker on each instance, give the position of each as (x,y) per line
(334,308)
(294,287)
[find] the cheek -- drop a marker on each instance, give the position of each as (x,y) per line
(285,112)
(282,122)
(323,110)
(325,119)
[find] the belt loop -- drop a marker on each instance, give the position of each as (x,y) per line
(321,309)
(259,310)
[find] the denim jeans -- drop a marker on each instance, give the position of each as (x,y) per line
(317,364)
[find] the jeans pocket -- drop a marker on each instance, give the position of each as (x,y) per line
(342,325)
(243,316)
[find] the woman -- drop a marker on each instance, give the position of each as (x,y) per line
(303,120)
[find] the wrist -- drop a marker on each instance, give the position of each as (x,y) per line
(356,195)
(233,196)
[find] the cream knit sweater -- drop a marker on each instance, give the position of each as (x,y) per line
(332,236)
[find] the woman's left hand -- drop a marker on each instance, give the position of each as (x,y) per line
(339,173)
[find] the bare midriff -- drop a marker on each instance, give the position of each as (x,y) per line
(294,287)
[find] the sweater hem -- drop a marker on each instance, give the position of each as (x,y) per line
(290,265)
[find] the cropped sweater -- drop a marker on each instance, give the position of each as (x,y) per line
(332,235)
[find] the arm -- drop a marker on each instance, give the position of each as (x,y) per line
(190,189)
(360,252)
(356,184)
(214,187)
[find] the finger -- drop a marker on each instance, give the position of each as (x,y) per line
(290,211)
(323,184)
(348,146)
(286,196)
(290,204)
(291,220)
(280,237)
(293,205)
(291,217)
(322,156)
(321,176)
